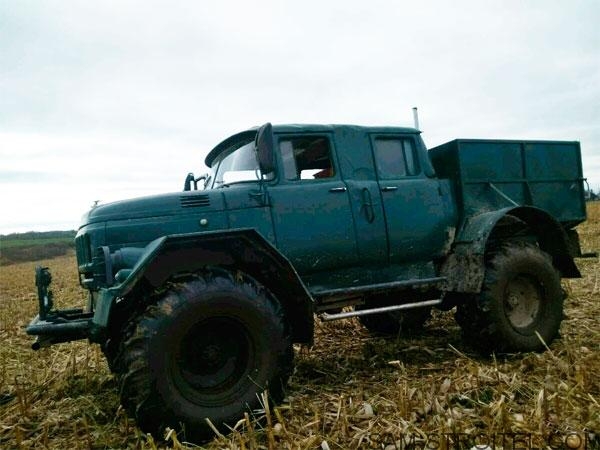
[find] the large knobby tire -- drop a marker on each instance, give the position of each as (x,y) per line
(521,298)
(207,349)
(405,323)
(118,330)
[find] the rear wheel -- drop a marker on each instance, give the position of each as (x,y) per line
(521,299)
(205,350)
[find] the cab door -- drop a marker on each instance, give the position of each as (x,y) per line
(310,205)
(416,220)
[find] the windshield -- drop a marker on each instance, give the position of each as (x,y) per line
(237,166)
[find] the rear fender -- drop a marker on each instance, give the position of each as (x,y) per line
(465,266)
(242,250)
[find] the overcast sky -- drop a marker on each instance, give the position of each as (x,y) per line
(112,100)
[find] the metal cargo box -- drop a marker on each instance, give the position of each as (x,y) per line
(492,174)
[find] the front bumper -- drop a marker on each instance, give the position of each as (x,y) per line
(55,326)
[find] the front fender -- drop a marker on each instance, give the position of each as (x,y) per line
(242,250)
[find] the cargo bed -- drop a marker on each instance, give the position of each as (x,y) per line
(491,174)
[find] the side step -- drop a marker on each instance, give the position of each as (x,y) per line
(365,312)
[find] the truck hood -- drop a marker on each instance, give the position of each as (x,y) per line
(156,206)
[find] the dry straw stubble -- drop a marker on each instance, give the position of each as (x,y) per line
(350,390)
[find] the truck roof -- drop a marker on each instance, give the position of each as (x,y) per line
(245,135)
(292,128)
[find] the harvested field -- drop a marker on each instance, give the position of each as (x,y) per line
(350,390)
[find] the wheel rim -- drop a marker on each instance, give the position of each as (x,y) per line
(522,301)
(212,361)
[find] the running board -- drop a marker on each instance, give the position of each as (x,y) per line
(365,312)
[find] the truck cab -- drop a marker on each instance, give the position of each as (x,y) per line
(340,202)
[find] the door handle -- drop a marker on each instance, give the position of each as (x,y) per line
(389,188)
(338,189)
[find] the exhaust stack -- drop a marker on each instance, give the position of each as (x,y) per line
(416,117)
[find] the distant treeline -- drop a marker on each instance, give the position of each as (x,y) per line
(35,245)
(39,235)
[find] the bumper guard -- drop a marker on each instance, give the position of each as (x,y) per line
(54,326)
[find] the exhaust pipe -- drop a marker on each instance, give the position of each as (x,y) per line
(416,117)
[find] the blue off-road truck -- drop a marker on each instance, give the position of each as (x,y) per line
(196,297)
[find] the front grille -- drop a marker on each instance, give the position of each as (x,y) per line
(84,252)
(195,201)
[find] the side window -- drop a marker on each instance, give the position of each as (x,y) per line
(306,158)
(395,158)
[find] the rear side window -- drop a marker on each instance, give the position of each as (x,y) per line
(395,157)
(306,158)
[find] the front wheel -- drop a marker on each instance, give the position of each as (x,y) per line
(520,307)
(205,350)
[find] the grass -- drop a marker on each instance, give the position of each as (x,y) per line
(12,243)
(350,390)
(32,246)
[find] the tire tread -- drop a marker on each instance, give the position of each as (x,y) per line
(134,376)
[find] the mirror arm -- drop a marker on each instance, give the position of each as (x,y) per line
(262,195)
(201,177)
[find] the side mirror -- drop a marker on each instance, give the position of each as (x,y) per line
(187,186)
(264,149)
